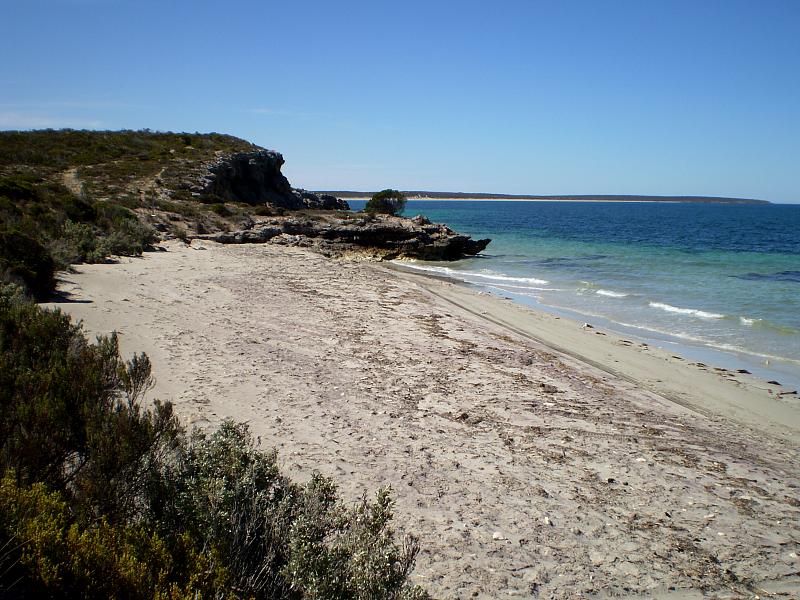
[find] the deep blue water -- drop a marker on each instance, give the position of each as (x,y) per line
(717,282)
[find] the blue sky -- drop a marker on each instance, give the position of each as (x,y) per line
(565,97)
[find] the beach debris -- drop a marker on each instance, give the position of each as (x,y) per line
(547,521)
(773,382)
(548,389)
(587,326)
(743,371)
(498,536)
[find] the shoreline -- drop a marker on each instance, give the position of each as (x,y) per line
(525,460)
(732,202)
(697,352)
(752,401)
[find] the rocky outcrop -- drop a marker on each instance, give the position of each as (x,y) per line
(380,236)
(255,178)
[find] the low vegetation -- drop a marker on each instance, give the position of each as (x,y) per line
(44,227)
(70,197)
(101,497)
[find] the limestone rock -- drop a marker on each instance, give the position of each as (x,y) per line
(256,178)
(382,236)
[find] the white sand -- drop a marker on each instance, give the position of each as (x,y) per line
(529,455)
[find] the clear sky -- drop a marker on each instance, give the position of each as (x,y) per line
(607,97)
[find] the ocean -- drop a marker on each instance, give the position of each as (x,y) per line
(714,283)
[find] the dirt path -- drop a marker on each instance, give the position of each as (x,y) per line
(72,182)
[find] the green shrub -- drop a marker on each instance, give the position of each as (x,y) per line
(59,557)
(131,202)
(25,260)
(113,214)
(129,238)
(102,498)
(78,209)
(78,243)
(341,552)
(43,228)
(20,188)
(69,413)
(221,209)
(231,495)
(179,233)
(265,210)
(391,202)
(283,540)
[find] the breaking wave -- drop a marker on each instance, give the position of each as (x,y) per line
(686,311)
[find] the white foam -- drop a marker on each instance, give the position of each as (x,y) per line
(740,350)
(748,322)
(707,342)
(467,275)
(411,264)
(509,287)
(686,311)
(525,294)
(611,294)
(498,277)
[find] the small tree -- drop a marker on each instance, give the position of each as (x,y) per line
(390,202)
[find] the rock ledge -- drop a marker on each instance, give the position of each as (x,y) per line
(381,237)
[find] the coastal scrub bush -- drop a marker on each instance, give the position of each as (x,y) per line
(349,552)
(129,238)
(220,209)
(69,411)
(279,539)
(45,228)
(60,557)
(230,495)
(100,497)
(390,202)
(78,243)
(24,260)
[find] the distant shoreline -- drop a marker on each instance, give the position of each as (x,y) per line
(422,195)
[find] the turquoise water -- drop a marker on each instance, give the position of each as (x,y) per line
(717,283)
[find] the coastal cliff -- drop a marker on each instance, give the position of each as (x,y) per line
(255,178)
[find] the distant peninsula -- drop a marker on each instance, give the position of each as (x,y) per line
(416,194)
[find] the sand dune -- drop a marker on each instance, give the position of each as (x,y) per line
(530,455)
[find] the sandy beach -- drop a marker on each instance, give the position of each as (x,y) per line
(532,456)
